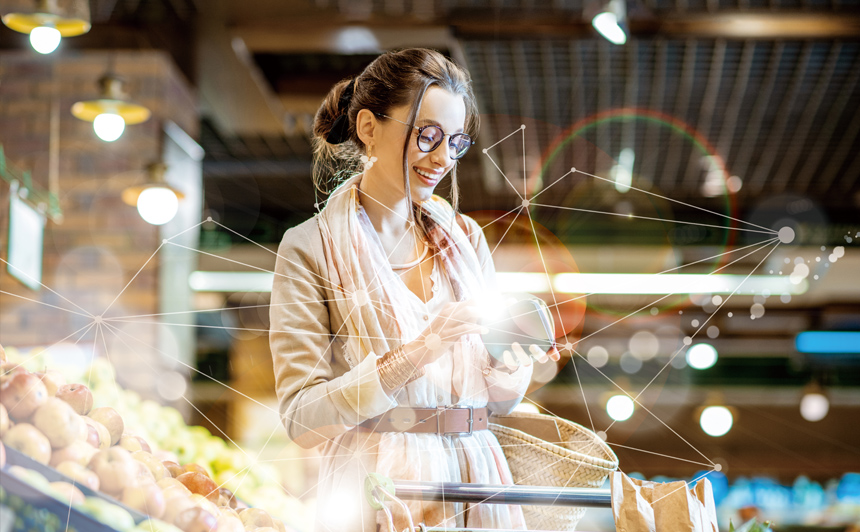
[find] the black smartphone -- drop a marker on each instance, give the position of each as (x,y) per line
(521,318)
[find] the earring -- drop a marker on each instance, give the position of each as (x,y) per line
(368,160)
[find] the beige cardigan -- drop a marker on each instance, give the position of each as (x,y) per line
(317,390)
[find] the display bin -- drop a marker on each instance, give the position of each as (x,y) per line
(35,510)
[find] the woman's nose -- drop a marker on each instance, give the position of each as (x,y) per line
(441,155)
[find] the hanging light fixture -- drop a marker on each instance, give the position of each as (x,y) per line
(714,417)
(112,112)
(157,202)
(46,21)
(814,404)
(611,21)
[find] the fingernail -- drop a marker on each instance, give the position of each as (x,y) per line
(484,330)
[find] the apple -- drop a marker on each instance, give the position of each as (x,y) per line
(168,483)
(155,525)
(77,451)
(22,395)
(116,469)
(27,439)
(255,518)
(58,421)
(155,467)
(230,523)
(196,520)
(4,420)
(166,456)
(67,493)
(132,443)
(196,468)
(266,529)
(143,473)
(33,478)
(226,498)
(111,419)
(145,498)
(279,525)
(78,396)
(200,483)
(206,504)
(103,439)
(52,379)
(174,468)
(108,513)
(79,474)
(175,505)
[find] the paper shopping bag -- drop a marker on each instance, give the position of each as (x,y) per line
(645,506)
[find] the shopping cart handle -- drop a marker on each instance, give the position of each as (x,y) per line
(502,494)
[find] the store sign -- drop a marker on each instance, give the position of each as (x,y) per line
(26,234)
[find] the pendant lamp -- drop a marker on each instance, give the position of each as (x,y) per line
(157,202)
(112,112)
(46,21)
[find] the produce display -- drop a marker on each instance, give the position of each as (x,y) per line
(139,454)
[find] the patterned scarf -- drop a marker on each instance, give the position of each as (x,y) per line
(369,296)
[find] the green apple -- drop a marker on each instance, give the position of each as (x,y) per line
(108,513)
(155,525)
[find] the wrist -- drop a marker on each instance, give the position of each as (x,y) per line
(396,369)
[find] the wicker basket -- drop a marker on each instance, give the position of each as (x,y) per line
(550,451)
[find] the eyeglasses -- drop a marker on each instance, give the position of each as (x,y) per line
(431,136)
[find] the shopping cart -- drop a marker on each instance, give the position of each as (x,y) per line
(378,489)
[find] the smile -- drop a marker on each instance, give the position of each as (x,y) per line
(433,177)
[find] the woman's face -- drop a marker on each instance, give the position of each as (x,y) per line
(439,108)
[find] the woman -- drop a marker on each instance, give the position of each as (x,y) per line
(374,316)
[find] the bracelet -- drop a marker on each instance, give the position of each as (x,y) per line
(396,370)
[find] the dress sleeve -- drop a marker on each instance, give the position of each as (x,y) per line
(314,404)
(505,389)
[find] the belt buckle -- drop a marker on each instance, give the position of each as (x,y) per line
(442,409)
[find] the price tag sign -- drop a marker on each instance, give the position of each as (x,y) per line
(26,235)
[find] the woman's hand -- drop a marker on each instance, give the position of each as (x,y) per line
(517,356)
(452,322)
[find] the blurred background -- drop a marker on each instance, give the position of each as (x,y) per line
(714,138)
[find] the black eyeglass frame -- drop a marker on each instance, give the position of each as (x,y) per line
(450,136)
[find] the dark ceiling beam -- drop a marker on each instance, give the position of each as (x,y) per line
(675,150)
(732,113)
(650,156)
(690,177)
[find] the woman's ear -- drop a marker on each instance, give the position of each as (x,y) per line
(365,127)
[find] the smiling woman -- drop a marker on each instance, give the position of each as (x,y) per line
(374,312)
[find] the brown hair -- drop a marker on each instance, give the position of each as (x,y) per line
(391,80)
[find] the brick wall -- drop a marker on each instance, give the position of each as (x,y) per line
(101,242)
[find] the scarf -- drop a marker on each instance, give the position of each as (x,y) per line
(369,296)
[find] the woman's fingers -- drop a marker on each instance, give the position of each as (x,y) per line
(554,354)
(538,354)
(521,355)
(509,361)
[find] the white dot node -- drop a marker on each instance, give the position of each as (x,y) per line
(568,347)
(786,235)
(730,314)
(815,277)
(208,218)
(316,205)
(817,259)
(484,150)
(718,467)
(694,323)
(680,312)
(573,169)
(98,319)
(433,342)
(526,203)
(361,298)
(523,126)
(602,435)
(164,241)
(688,340)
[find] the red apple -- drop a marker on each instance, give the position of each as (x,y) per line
(196,520)
(58,421)
(132,443)
(111,419)
(155,467)
(4,420)
(174,468)
(79,474)
(22,395)
(255,518)
(206,504)
(116,469)
(67,493)
(226,498)
(52,379)
(230,523)
(196,468)
(200,483)
(174,505)
(78,396)
(103,436)
(27,439)
(77,451)
(145,498)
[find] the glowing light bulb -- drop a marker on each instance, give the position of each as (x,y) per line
(619,407)
(814,406)
(109,126)
(45,39)
(702,356)
(607,24)
(716,420)
(157,205)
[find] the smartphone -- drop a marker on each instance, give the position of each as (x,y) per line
(521,318)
